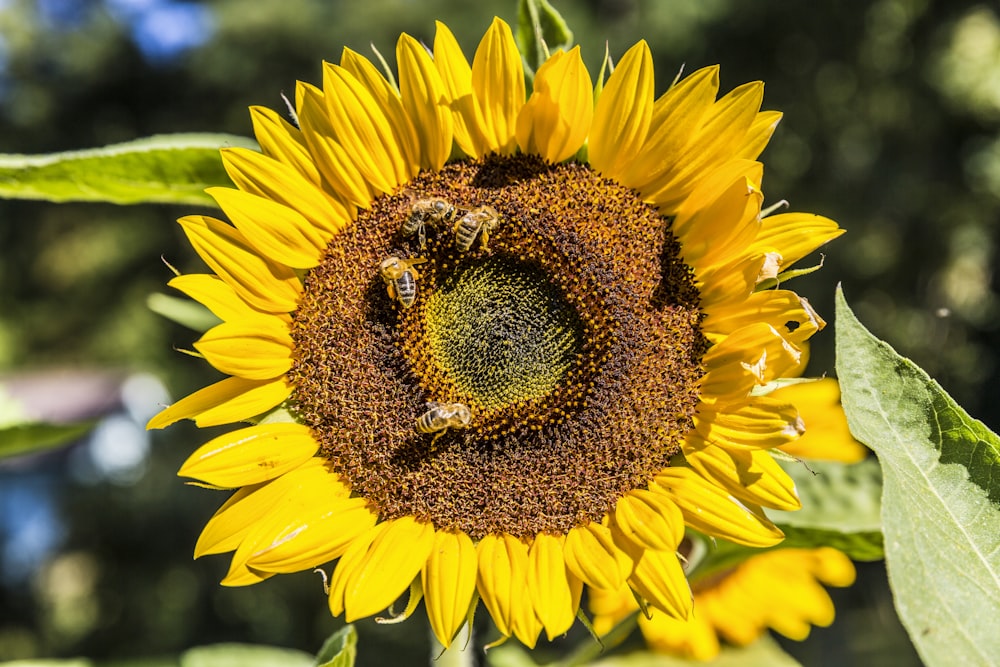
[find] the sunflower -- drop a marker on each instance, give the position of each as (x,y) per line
(780,589)
(496,347)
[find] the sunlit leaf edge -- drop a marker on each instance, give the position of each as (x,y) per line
(940,524)
(170,168)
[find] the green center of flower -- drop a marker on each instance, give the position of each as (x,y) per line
(502,331)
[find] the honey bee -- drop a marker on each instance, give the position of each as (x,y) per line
(442,416)
(424,211)
(401,278)
(477,222)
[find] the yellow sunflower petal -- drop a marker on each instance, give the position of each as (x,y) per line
(284,142)
(264,177)
(737,620)
(711,510)
(498,88)
(318,529)
(240,575)
(761,422)
(623,113)
(750,475)
(795,235)
(502,577)
(556,119)
(265,285)
(659,578)
(832,567)
(255,398)
(222,533)
(809,604)
(218,296)
(826,433)
(341,174)
(609,608)
(276,231)
(230,525)
(449,582)
(694,638)
(361,127)
(394,558)
(226,401)
(251,455)
(285,536)
(593,557)
(718,140)
(759,134)
(456,76)
(388,98)
(425,101)
(784,310)
(352,560)
(709,188)
(554,591)
(755,354)
(648,520)
(731,283)
(725,227)
(676,117)
(256,348)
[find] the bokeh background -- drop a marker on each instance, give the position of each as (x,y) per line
(891,128)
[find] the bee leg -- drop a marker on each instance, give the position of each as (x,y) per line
(437,435)
(422,236)
(484,238)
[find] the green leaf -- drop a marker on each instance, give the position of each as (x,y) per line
(940,514)
(20,433)
(510,654)
(339,650)
(33,437)
(171,169)
(185,312)
(840,508)
(244,655)
(540,30)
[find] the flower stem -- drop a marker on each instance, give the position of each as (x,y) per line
(459,654)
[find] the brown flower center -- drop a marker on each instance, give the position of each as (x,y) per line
(571,336)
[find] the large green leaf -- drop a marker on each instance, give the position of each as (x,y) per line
(940,513)
(840,508)
(173,169)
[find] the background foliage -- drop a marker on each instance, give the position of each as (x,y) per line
(891,128)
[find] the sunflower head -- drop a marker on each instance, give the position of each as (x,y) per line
(493,343)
